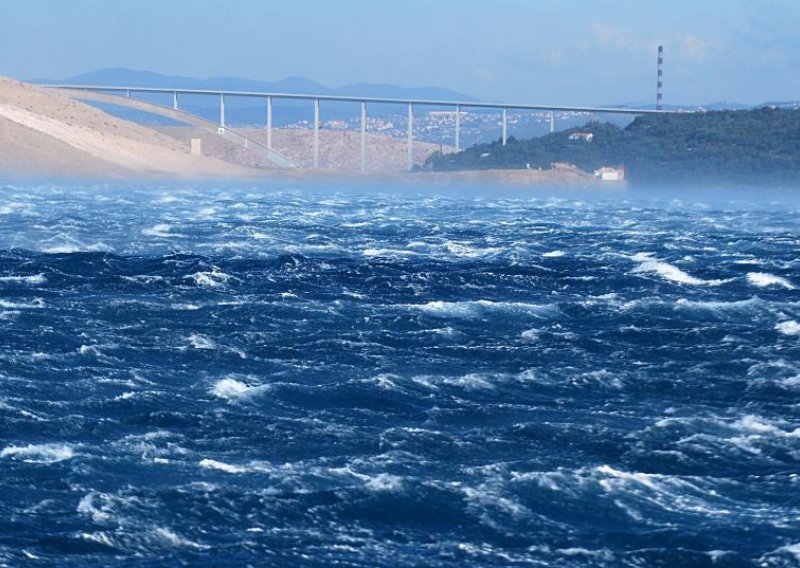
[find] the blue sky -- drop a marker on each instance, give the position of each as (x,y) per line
(555,51)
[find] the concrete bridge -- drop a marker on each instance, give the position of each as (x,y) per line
(124,96)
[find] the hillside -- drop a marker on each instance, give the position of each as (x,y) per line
(742,147)
(46,134)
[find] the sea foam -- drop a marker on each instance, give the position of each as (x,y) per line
(673,274)
(765,280)
(39,453)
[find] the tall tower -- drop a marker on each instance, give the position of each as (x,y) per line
(660,85)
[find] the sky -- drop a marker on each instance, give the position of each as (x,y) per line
(578,52)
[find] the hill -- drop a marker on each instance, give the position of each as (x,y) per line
(46,134)
(744,147)
(123,77)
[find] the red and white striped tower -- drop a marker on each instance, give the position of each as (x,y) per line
(659,87)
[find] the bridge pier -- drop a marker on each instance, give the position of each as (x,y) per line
(410,150)
(269,123)
(222,110)
(316,134)
(458,128)
(552,121)
(363,136)
(505,126)
(175,100)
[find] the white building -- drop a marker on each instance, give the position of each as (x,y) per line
(585,136)
(610,174)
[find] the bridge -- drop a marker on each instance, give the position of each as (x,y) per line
(125,96)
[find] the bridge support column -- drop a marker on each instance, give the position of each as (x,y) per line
(458,128)
(363,136)
(128,93)
(175,100)
(222,110)
(505,126)
(316,134)
(552,121)
(269,123)
(410,149)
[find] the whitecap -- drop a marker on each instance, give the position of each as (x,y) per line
(387,252)
(172,539)
(471,381)
(221,466)
(201,342)
(554,254)
(212,279)
(36,304)
(39,453)
(467,251)
(231,389)
(73,248)
(89,350)
(34,280)
(530,335)
(471,309)
(673,273)
(162,230)
(765,280)
(717,306)
(790,327)
(384,482)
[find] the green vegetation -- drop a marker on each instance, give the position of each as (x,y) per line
(744,147)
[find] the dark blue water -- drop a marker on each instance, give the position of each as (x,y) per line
(223,378)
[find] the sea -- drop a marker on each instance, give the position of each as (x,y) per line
(288,375)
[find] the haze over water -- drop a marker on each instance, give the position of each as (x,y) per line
(277,376)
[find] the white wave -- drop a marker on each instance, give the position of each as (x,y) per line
(144,279)
(168,199)
(384,482)
(602,554)
(89,350)
(172,539)
(74,248)
(761,427)
(186,307)
(673,273)
(162,230)
(156,537)
(467,251)
(39,453)
(201,342)
(717,306)
(213,279)
(471,381)
(34,280)
(554,254)
(221,466)
(36,304)
(471,309)
(531,335)
(207,212)
(789,552)
(99,514)
(231,389)
(790,327)
(765,280)
(387,252)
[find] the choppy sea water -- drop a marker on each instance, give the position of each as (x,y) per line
(289,378)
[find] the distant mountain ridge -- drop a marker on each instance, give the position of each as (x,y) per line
(122,77)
